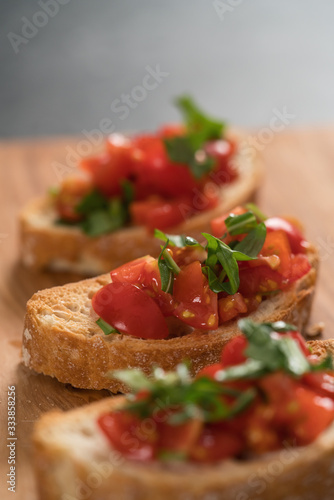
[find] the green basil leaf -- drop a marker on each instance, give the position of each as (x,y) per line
(280,326)
(240,224)
(128,191)
(93,201)
(252,244)
(294,361)
(256,211)
(105,327)
(218,251)
(176,239)
(166,274)
(196,120)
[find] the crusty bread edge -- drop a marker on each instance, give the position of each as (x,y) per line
(302,472)
(84,360)
(64,248)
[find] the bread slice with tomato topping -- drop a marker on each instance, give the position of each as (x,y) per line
(153,317)
(98,222)
(84,453)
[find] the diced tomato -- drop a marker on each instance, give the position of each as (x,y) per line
(72,190)
(128,436)
(216,444)
(280,390)
(277,243)
(260,434)
(295,236)
(318,413)
(253,302)
(210,371)
(143,271)
(218,226)
(231,306)
(300,266)
(260,279)
(155,174)
(178,438)
(110,169)
(221,151)
(113,303)
(197,304)
(321,382)
(159,213)
(234,351)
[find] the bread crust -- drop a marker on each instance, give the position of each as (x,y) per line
(58,247)
(73,457)
(61,338)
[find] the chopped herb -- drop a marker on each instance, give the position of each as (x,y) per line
(219,252)
(188,149)
(166,274)
(252,244)
(256,211)
(128,191)
(203,397)
(240,224)
(105,327)
(91,202)
(175,239)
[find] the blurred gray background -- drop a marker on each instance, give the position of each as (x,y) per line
(70,65)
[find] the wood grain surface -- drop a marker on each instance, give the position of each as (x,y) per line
(299,182)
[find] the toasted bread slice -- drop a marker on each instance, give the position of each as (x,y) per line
(61,337)
(74,460)
(45,244)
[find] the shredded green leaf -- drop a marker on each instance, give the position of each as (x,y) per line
(188,149)
(105,327)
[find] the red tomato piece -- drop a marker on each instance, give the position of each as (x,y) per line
(108,170)
(128,436)
(178,438)
(234,351)
(161,214)
(197,304)
(221,151)
(231,306)
(210,371)
(143,271)
(300,266)
(215,443)
(318,414)
(71,192)
(277,243)
(155,174)
(297,241)
(131,310)
(260,279)
(321,382)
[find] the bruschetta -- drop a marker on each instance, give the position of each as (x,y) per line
(178,178)
(182,305)
(257,425)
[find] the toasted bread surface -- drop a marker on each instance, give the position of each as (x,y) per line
(61,338)
(73,460)
(45,244)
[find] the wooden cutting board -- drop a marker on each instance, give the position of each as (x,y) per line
(299,181)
